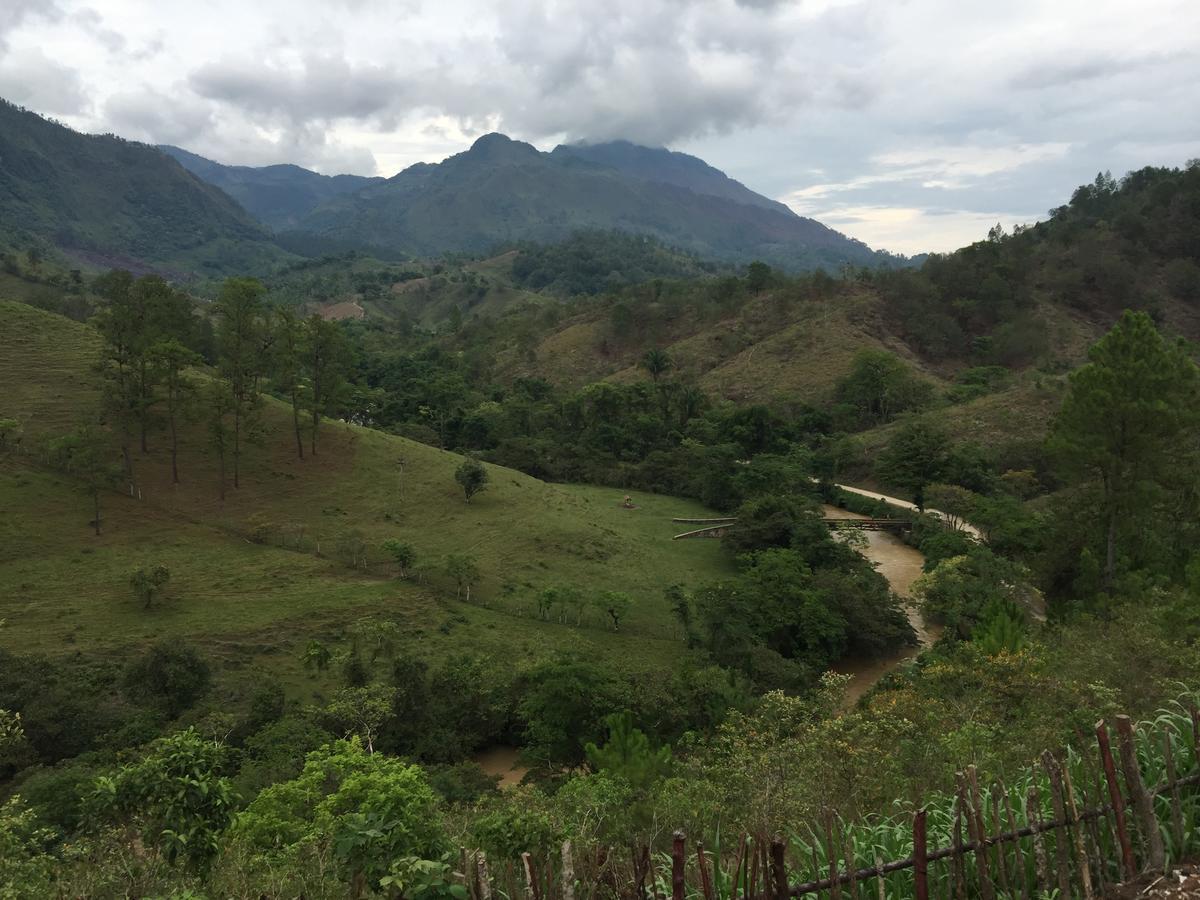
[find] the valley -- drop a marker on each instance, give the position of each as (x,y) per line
(336,519)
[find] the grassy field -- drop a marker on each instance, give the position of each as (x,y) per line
(241,589)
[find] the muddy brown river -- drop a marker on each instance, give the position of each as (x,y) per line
(901,565)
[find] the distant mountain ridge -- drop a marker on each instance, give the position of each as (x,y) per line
(109,201)
(278,195)
(669,167)
(502,191)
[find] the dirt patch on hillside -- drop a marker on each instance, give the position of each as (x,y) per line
(346,309)
(405,287)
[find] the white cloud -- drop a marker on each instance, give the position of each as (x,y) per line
(911,231)
(32,79)
(925,105)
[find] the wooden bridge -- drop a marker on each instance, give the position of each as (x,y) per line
(896,525)
(711,528)
(719,527)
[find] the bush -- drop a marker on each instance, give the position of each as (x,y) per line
(170,675)
(367,809)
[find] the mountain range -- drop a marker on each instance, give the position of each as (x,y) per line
(113,201)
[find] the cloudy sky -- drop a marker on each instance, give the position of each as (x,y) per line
(910,124)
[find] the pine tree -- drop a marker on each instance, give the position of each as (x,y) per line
(1129,425)
(240,328)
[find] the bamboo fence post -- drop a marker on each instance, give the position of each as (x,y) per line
(737,872)
(485,881)
(1093,825)
(531,886)
(1155,853)
(920,861)
(752,863)
(835,888)
(678,861)
(467,864)
(1117,797)
(958,865)
(983,862)
(705,879)
(1061,857)
(848,855)
(641,868)
(880,881)
(975,828)
(1018,853)
(1081,856)
(1173,784)
(1001,856)
(1195,716)
(779,868)
(1033,815)
(816,861)
(568,872)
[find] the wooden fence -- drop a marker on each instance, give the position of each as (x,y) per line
(1077,825)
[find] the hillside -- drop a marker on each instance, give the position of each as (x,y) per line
(244,584)
(104,201)
(279,196)
(502,191)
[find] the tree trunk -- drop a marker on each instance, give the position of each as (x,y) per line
(237,444)
(316,401)
(221,464)
(143,406)
(1110,550)
(174,446)
(296,423)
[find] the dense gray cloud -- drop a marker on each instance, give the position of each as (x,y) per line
(907,124)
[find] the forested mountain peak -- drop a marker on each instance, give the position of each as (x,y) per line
(502,191)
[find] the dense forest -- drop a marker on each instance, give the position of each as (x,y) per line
(326,747)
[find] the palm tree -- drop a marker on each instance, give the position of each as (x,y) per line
(657,362)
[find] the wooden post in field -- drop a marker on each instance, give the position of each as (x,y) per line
(678,861)
(1156,857)
(779,869)
(1117,797)
(920,857)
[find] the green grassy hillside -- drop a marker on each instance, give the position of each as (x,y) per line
(256,576)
